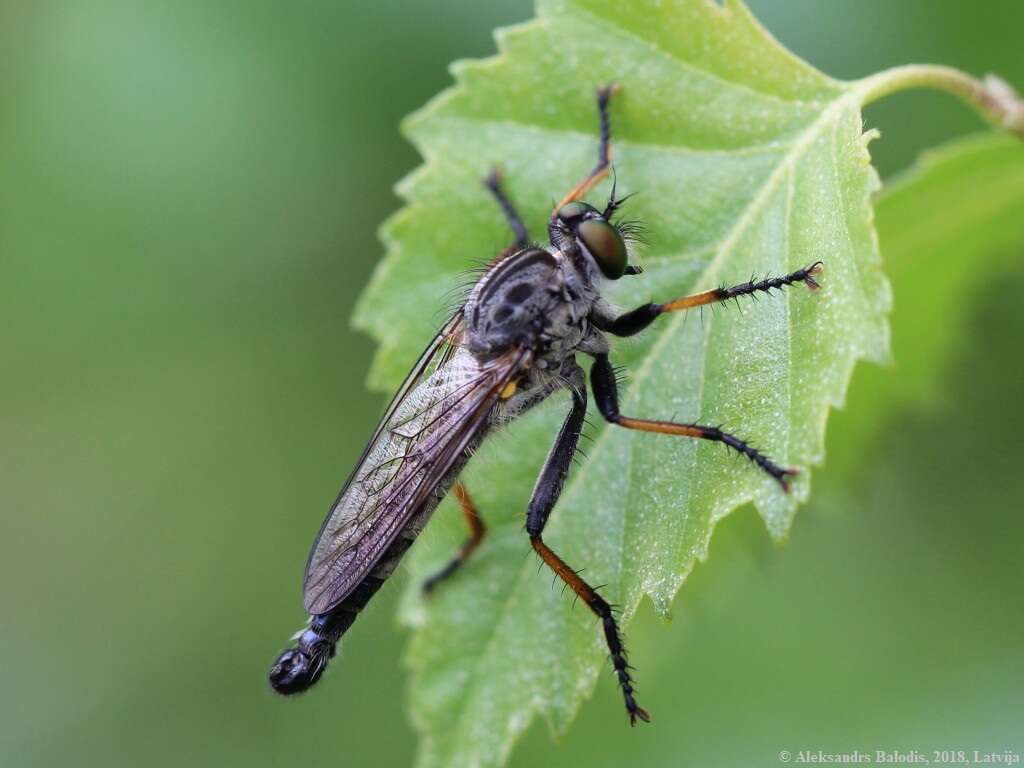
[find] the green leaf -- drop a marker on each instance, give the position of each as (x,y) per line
(941,245)
(910,553)
(746,161)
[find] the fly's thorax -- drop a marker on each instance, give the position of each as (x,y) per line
(544,377)
(531,299)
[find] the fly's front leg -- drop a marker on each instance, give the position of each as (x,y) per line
(635,321)
(477,530)
(545,494)
(602,379)
(515,222)
(604,150)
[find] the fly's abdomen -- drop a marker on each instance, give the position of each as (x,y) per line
(298,668)
(424,440)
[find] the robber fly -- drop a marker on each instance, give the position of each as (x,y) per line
(508,348)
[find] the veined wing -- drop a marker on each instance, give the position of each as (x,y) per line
(428,425)
(434,357)
(437,354)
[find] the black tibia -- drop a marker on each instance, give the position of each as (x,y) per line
(545,494)
(639,318)
(477,529)
(556,466)
(602,380)
(493,182)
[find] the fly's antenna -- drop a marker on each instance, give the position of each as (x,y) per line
(614,203)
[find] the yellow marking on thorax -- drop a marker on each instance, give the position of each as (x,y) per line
(509,390)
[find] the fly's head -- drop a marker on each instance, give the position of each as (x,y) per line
(594,238)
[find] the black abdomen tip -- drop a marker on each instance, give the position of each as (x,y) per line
(295,671)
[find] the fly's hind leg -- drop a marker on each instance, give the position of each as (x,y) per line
(493,182)
(612,636)
(545,494)
(477,529)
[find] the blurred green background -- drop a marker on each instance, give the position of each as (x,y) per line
(189,194)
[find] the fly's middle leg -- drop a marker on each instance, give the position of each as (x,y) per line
(545,494)
(477,530)
(605,386)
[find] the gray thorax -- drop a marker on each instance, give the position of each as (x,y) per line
(537,299)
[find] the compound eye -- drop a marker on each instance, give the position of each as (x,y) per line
(572,211)
(605,244)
